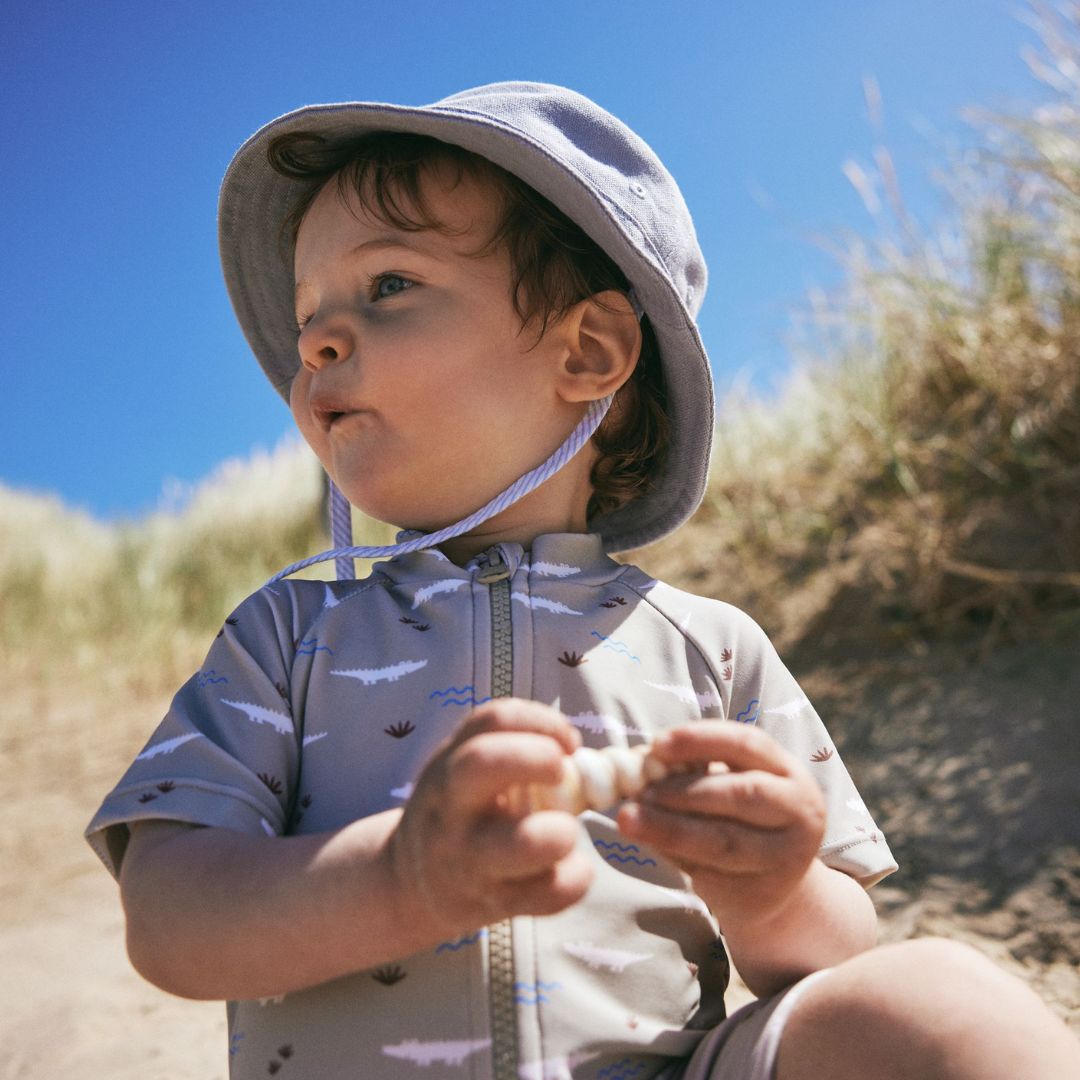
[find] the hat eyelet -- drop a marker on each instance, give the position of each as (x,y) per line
(637,189)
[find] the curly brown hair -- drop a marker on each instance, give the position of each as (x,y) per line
(554,265)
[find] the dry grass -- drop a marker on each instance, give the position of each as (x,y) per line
(138,601)
(920,472)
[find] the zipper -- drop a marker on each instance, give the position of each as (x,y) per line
(495,573)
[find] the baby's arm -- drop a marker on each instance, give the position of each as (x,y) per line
(214,913)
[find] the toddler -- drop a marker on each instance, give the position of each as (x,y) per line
(482,315)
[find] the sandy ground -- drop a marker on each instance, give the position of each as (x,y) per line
(971,765)
(972,770)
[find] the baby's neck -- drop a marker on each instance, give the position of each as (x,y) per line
(559,505)
(461,549)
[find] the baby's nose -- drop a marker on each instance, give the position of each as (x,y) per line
(323,343)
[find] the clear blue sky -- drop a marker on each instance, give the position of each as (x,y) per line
(122,363)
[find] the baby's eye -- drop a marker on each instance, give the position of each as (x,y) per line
(388,284)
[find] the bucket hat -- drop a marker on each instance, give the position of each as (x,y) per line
(588,164)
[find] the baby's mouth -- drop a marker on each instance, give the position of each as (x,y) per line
(328,413)
(326,418)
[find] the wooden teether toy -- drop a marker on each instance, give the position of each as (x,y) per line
(592,780)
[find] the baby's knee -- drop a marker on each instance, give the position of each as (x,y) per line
(936,965)
(906,1003)
(913,1003)
(931,984)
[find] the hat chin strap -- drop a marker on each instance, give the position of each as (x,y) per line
(343,552)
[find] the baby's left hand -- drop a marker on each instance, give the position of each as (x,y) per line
(746,824)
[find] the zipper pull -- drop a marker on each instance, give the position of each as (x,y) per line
(494,567)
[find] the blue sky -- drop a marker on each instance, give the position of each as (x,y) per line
(123,367)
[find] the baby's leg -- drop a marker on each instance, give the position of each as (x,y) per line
(928,1010)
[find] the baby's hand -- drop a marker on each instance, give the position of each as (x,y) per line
(745,823)
(469,854)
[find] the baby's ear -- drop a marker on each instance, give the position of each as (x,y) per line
(603,341)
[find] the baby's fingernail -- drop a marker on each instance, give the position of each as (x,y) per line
(630,818)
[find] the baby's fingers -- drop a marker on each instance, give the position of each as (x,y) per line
(755,798)
(739,746)
(534,866)
(553,889)
(691,841)
(486,766)
(519,850)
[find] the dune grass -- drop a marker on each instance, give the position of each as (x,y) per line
(919,473)
(136,597)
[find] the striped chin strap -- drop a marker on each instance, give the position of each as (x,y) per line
(343,551)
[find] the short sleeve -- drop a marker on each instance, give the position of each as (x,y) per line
(765,693)
(226,753)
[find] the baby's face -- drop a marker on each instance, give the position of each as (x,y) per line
(418,389)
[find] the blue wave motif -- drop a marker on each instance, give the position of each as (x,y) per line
(616,646)
(533,993)
(616,846)
(622,853)
(750,713)
(454,946)
(210,678)
(627,1073)
(311,647)
(613,857)
(465,701)
(451,690)
(620,1070)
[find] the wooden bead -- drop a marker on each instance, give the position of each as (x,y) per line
(592,780)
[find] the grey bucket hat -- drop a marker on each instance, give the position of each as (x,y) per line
(577,155)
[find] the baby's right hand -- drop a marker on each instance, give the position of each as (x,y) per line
(462,852)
